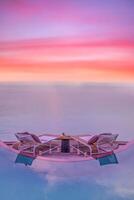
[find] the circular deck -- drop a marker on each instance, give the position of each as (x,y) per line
(65,157)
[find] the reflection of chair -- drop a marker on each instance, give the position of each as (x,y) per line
(24,159)
(109,159)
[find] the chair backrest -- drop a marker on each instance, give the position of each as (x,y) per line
(93,139)
(27,138)
(107,138)
(36,138)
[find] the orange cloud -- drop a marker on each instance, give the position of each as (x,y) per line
(60,62)
(69,72)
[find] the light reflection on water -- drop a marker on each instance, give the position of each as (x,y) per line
(72,109)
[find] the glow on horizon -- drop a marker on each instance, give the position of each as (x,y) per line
(72,41)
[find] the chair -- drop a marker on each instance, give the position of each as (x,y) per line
(107,142)
(103,143)
(30,142)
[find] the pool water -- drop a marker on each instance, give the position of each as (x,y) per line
(72,109)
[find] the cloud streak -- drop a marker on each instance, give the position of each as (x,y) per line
(47,38)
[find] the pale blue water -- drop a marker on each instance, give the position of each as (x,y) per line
(72,109)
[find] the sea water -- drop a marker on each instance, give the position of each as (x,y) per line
(73,109)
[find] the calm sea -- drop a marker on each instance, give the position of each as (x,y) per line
(73,109)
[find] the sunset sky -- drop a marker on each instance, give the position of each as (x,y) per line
(67,41)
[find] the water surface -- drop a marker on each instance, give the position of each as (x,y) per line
(72,109)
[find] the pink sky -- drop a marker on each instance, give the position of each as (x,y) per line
(70,41)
